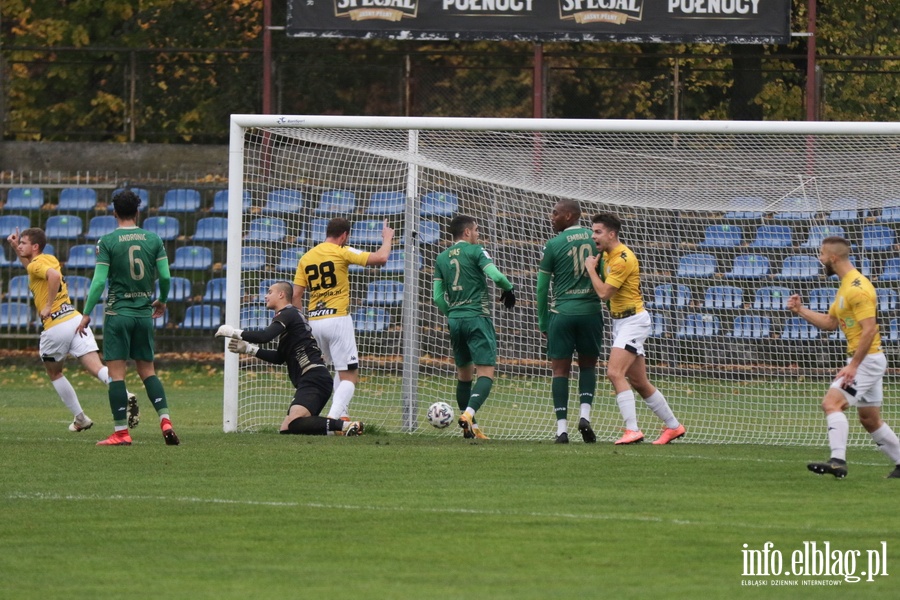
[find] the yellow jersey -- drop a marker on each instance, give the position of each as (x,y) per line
(623,271)
(855,300)
(62,309)
(323,271)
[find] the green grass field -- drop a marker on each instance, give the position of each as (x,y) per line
(397,516)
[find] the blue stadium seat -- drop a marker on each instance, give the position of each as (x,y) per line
(893,331)
(202,316)
(9,263)
(890,214)
(752,326)
(211,229)
(848,212)
(220,202)
(891,270)
(83,256)
(267,229)
(100,226)
(256,316)
(284,202)
(771,298)
(180,289)
(800,266)
(194,258)
(63,227)
(18,288)
(366,233)
(253,258)
(77,199)
(9,223)
(697,265)
(396,263)
(745,208)
(384,292)
(49,249)
(161,322)
(337,203)
(749,266)
(864,266)
(167,228)
(78,287)
(723,297)
(383,204)
(887,299)
(772,236)
(796,209)
(877,238)
(371,320)
(659,327)
(797,328)
(722,236)
(697,325)
(820,232)
(15,315)
(98,316)
(317,229)
(820,299)
(669,295)
(429,232)
(182,200)
(215,290)
(141,193)
(264,286)
(24,198)
(287,261)
(439,204)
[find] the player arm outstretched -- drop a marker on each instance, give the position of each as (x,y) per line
(246,341)
(823,321)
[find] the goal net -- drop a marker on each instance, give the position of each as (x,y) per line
(726,219)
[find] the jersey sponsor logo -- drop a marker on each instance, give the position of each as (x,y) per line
(63,310)
(322,312)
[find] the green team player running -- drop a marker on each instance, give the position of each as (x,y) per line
(460,293)
(130,257)
(571,319)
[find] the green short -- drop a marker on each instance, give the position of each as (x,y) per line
(128,337)
(574,333)
(473,341)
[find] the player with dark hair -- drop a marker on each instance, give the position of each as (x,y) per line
(860,382)
(460,293)
(572,320)
(620,285)
(297,347)
(132,259)
(324,271)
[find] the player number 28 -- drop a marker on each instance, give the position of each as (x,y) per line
(323,271)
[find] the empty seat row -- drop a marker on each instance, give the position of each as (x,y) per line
(362,233)
(874,237)
(704,325)
(725,297)
(804,209)
(757,266)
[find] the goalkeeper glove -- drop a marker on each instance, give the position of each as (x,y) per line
(229,332)
(508,298)
(242,347)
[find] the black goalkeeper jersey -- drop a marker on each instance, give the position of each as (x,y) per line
(296,345)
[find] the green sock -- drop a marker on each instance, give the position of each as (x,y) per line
(480,392)
(560,387)
(463,391)
(587,385)
(156,393)
(118,402)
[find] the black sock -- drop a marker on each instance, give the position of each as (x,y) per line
(308,426)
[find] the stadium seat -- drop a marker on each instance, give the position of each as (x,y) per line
(181,200)
(337,203)
(83,256)
(24,198)
(383,204)
(772,236)
(77,199)
(697,325)
(893,331)
(18,288)
(220,202)
(215,290)
(141,193)
(796,209)
(267,229)
(396,263)
(371,320)
(264,286)
(697,265)
(202,316)
(317,229)
(98,316)
(167,228)
(722,236)
(752,326)
(658,325)
(15,315)
(771,298)
(749,266)
(797,328)
(284,202)
(864,266)
(100,226)
(877,238)
(439,204)
(820,232)
(848,211)
(890,214)
(669,295)
(429,232)
(723,297)
(194,258)
(891,270)
(800,266)
(211,229)
(63,227)
(384,292)
(161,322)
(9,223)
(49,249)
(256,316)
(366,233)
(180,289)
(253,258)
(887,299)
(288,259)
(820,299)
(78,286)
(9,263)
(745,208)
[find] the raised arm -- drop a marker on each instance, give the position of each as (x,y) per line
(380,256)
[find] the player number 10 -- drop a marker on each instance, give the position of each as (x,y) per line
(579,254)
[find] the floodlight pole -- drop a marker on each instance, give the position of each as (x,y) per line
(538,81)
(812,90)
(267,108)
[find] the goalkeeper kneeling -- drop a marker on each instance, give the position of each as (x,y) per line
(298,348)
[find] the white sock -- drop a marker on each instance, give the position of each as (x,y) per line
(586,411)
(838,430)
(562,426)
(657,403)
(887,442)
(337,382)
(67,395)
(341,400)
(625,400)
(470,411)
(103,375)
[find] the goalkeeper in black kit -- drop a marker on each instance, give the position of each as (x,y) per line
(298,348)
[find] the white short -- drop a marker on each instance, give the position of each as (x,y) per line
(61,340)
(337,341)
(867,390)
(631,332)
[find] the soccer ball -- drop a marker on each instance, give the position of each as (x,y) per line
(440,414)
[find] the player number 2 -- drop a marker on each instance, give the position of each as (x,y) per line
(135,263)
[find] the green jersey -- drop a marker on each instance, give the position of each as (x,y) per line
(132,255)
(461,270)
(563,260)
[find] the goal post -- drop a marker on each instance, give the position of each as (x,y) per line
(725,218)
